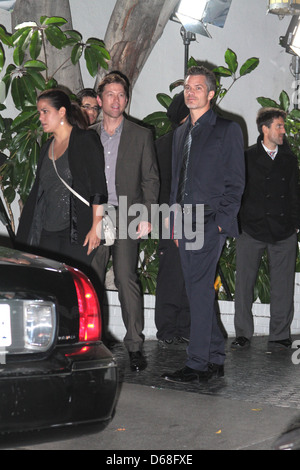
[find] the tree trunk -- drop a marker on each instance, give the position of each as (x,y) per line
(31,10)
(134,28)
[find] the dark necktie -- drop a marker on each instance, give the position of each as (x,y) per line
(184,168)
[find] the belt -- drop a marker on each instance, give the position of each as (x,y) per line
(189,209)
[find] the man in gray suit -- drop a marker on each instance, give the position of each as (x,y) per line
(132,178)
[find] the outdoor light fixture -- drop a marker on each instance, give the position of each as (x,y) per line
(194,15)
(295,41)
(291,40)
(190,13)
(291,43)
(7,4)
(284,7)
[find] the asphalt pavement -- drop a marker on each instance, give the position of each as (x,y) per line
(249,409)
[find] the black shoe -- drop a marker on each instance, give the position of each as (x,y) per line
(181,340)
(285,343)
(137,361)
(178,342)
(188,375)
(240,343)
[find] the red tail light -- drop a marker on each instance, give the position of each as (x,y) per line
(89,309)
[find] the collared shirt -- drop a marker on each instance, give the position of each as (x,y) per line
(111,145)
(271,153)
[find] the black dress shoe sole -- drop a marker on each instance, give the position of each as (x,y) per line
(202,377)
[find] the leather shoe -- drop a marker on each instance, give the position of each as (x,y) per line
(286,343)
(240,343)
(188,375)
(137,361)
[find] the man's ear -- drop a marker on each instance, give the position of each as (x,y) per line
(211,94)
(99,101)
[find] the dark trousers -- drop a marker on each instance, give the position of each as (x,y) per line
(172,311)
(207,343)
(125,259)
(281,258)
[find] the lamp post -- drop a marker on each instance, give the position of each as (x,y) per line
(187,38)
(194,15)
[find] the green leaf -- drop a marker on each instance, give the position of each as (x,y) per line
(295,114)
(35,44)
(23,92)
(159,121)
(21,36)
(34,156)
(249,66)
(192,62)
(22,119)
(17,92)
(18,56)
(5,37)
(74,35)
(164,100)
(29,91)
(284,101)
(52,20)
(101,51)
(2,57)
(91,61)
(51,83)
(9,194)
(26,24)
(231,60)
(76,53)
(55,36)
(98,56)
(222,71)
(38,65)
(267,102)
(37,78)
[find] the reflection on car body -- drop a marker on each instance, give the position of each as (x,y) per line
(54,368)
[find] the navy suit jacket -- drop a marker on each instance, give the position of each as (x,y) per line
(217,168)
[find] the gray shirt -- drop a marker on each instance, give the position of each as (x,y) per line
(111,145)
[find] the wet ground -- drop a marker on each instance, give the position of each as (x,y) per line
(254,374)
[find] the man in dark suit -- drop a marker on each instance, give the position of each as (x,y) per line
(132,178)
(270,217)
(172,311)
(214,180)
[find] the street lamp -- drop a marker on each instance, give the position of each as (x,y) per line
(291,43)
(194,15)
(284,7)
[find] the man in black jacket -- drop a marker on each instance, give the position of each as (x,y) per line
(172,312)
(270,218)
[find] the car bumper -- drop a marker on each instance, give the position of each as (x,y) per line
(69,390)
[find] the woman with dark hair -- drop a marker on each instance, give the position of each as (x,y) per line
(54,219)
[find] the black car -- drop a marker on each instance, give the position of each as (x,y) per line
(54,368)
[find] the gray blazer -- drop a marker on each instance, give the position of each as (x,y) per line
(137,175)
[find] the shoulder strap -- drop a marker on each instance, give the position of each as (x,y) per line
(65,183)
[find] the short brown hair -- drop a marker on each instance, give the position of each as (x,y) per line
(266,116)
(113,77)
(210,78)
